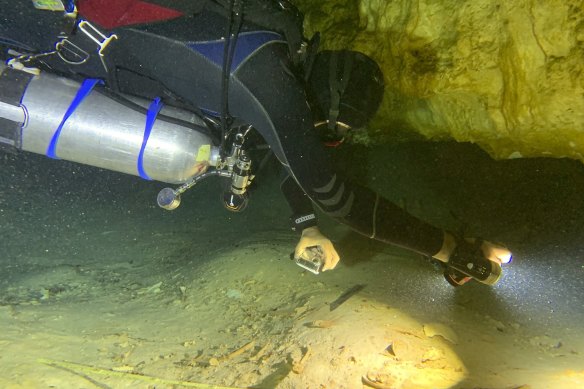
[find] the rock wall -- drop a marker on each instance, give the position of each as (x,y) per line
(505,74)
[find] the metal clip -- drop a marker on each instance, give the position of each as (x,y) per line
(15,64)
(70,52)
(22,61)
(95,35)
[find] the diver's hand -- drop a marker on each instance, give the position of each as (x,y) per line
(311,236)
(496,253)
(460,261)
(491,251)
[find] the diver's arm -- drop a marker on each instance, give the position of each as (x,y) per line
(304,220)
(303,215)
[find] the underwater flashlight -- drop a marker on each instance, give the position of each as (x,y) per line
(506,258)
(468,260)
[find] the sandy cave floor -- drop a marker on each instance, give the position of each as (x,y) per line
(94,274)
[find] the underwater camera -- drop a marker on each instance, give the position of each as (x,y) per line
(312,259)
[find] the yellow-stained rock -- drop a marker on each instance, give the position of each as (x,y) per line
(505,74)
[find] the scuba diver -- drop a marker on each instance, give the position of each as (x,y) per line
(177,91)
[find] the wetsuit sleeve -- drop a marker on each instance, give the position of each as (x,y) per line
(303,215)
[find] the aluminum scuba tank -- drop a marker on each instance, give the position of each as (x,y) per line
(42,114)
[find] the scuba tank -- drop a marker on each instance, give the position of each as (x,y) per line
(75,117)
(65,119)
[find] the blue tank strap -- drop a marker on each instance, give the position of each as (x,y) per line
(86,87)
(151,115)
(69,5)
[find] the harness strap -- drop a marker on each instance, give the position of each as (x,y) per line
(338,86)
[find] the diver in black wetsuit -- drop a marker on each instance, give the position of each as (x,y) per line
(252,72)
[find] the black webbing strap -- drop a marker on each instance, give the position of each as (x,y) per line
(338,86)
(9,135)
(13,83)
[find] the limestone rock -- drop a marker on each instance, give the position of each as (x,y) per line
(507,75)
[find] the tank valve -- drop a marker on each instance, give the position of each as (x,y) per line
(237,167)
(169,198)
(235,199)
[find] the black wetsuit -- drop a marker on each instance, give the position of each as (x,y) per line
(180,60)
